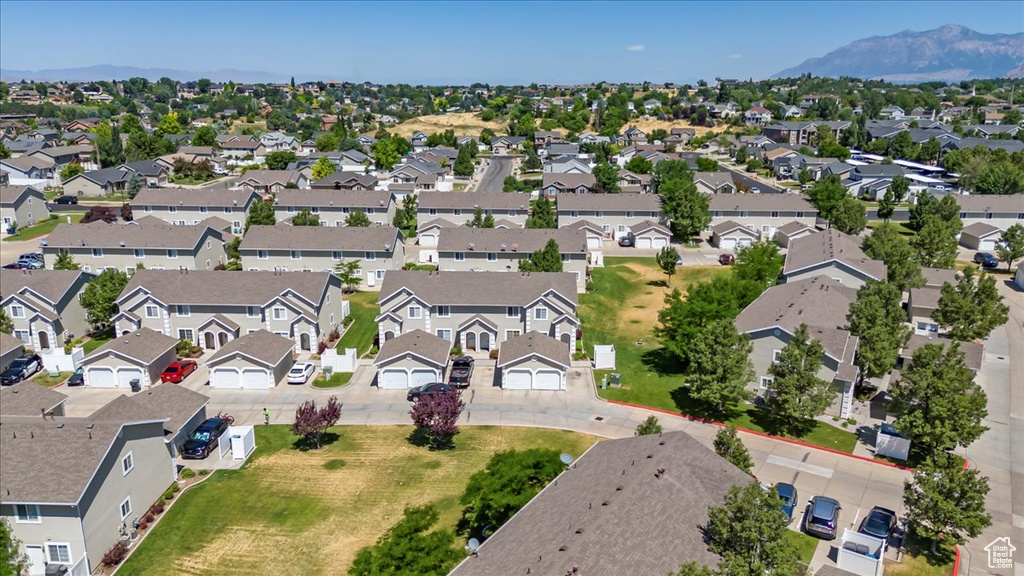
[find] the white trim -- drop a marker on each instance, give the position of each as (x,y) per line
(127,463)
(121,509)
(28,518)
(49,557)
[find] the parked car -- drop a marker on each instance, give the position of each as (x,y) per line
(822,517)
(37,256)
(29,264)
(426,390)
(726,259)
(66,200)
(78,378)
(300,373)
(879,523)
(461,372)
(204,439)
(986,260)
(21,369)
(787,493)
(627,241)
(14,266)
(178,371)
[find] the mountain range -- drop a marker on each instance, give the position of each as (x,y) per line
(111,72)
(951,53)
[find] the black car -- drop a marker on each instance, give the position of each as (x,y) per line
(78,378)
(21,369)
(627,241)
(66,200)
(986,260)
(822,517)
(879,523)
(461,372)
(426,390)
(204,439)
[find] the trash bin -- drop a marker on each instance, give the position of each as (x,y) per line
(136,386)
(616,379)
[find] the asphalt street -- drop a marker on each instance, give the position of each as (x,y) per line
(497,169)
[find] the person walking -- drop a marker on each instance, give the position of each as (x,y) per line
(266,417)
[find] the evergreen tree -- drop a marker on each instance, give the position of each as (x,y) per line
(305,217)
(719,368)
(405,217)
(463,162)
(547,259)
(358,219)
(944,502)
(542,213)
(971,309)
(65,261)
(797,394)
(261,213)
(878,319)
(728,445)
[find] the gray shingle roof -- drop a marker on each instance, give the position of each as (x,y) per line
(340,198)
(261,345)
(514,240)
(144,345)
(937,276)
(342,178)
(11,194)
(1008,203)
(168,401)
(925,296)
(531,343)
(569,181)
(472,200)
(326,238)
(9,343)
(26,398)
(763,203)
(627,506)
(142,233)
(270,177)
(49,284)
(793,227)
(415,342)
(980,229)
(610,202)
(729,226)
(828,245)
(194,197)
(469,288)
(973,352)
(248,288)
(714,179)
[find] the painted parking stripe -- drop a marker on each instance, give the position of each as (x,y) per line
(800,466)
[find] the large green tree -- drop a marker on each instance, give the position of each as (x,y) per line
(12,561)
(885,243)
(547,259)
(306,217)
(542,213)
(204,136)
(719,368)
(797,394)
(607,176)
(65,261)
(728,445)
(849,216)
(935,244)
(878,319)
(946,503)
(412,546)
(100,295)
(260,213)
(109,148)
(463,162)
(323,168)
(749,533)
(1011,246)
(169,125)
(759,262)
(405,216)
(686,208)
(826,194)
(510,480)
(972,308)
(358,219)
(280,160)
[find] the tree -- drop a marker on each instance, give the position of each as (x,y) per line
(131,124)
(204,136)
(280,160)
(109,149)
(5,152)
(878,319)
(348,273)
(385,154)
(885,243)
(126,213)
(410,547)
(1011,246)
(100,296)
(480,220)
(358,219)
(260,213)
(134,185)
(796,393)
(728,445)
(667,258)
(509,481)
(323,168)
(849,216)
(532,161)
(749,533)
(804,176)
(945,502)
(463,162)
(312,422)
(607,176)
(6,322)
(547,259)
(938,403)
(405,217)
(70,171)
(902,146)
(886,206)
(694,569)
(649,426)
(327,142)
(899,187)
(719,367)
(947,209)
(12,561)
(971,310)
(168,125)
(742,155)
(436,416)
(542,213)
(640,165)
(65,261)
(707,164)
(305,217)
(826,194)
(935,244)
(759,262)
(686,207)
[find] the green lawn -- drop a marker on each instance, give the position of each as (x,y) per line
(804,544)
(43,228)
(293,512)
(97,340)
(901,227)
(360,334)
(44,379)
(920,561)
(337,379)
(621,309)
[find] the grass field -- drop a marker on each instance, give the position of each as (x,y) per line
(463,124)
(919,560)
(622,309)
(289,512)
(43,228)
(360,334)
(901,227)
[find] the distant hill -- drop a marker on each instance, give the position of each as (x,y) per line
(110,72)
(950,53)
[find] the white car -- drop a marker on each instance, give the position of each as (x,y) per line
(300,373)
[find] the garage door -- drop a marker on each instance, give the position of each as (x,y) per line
(643,242)
(100,377)
(422,376)
(727,243)
(988,244)
(518,380)
(126,375)
(660,242)
(394,379)
(225,378)
(255,378)
(428,240)
(746,241)
(593,242)
(547,380)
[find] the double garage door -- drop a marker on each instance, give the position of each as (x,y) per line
(734,243)
(651,242)
(246,378)
(402,379)
(523,379)
(109,377)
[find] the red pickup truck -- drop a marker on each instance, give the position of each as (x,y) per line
(461,372)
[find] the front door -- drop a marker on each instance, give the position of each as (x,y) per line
(470,340)
(36,560)
(304,341)
(44,341)
(208,340)
(485,341)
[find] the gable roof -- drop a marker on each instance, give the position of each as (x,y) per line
(10,195)
(610,202)
(328,238)
(141,233)
(51,285)
(568,180)
(995,203)
(340,198)
(479,288)
(248,288)
(26,398)
(973,352)
(270,177)
(982,229)
(9,343)
(472,200)
(530,344)
(831,245)
(144,345)
(715,180)
(512,240)
(418,343)
(263,346)
(762,203)
(195,197)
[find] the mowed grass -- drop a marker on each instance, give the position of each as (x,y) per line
(804,544)
(43,228)
(622,309)
(43,378)
(920,561)
(363,309)
(97,340)
(289,512)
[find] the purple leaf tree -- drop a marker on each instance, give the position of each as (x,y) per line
(436,415)
(311,422)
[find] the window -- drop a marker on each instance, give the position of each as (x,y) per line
(17,311)
(23,335)
(432,211)
(172,253)
(380,274)
(181,222)
(512,312)
(540,314)
(209,244)
(126,507)
(492,257)
(370,256)
(127,463)
(988,215)
(58,553)
(203,209)
(458,212)
(963,215)
(185,334)
(629,214)
(799,214)
(152,311)
(140,253)
(775,355)
(252,311)
(290,209)
(227,210)
(599,214)
(443,311)
(296,254)
(574,214)
(766,382)
(24,513)
(129,270)
(717,214)
(565,257)
(510,334)
(263,254)
(280,313)
(460,256)
(86,269)
(147,209)
(743,214)
(336,255)
(183,310)
(172,209)
(512,212)
(208,264)
(415,312)
(444,335)
(97,252)
(236,226)
(775,214)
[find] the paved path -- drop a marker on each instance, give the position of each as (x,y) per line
(498,168)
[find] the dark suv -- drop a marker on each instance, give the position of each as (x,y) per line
(461,372)
(204,439)
(822,517)
(879,523)
(986,260)
(426,390)
(21,369)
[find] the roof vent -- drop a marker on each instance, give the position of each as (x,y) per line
(579,530)
(563,548)
(649,456)
(605,503)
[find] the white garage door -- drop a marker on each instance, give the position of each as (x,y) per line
(518,380)
(746,241)
(394,379)
(100,377)
(660,242)
(643,242)
(593,242)
(126,375)
(422,376)
(547,380)
(225,378)
(255,378)
(428,240)
(728,243)
(989,244)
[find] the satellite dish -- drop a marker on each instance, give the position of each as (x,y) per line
(566,458)
(473,544)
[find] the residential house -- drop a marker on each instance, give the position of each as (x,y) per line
(635,135)
(500,250)
(258,360)
(567,165)
(238,147)
(212,308)
(130,360)
(533,361)
(345,180)
(819,302)
(803,133)
(278,142)
(98,245)
(833,254)
(44,305)
(680,137)
(458,207)
(64,155)
(542,138)
(974,353)
(479,310)
(21,206)
(503,145)
(184,206)
(26,398)
(787,233)
(11,349)
(614,213)
(729,235)
(757,116)
(981,236)
(562,149)
(569,183)
(335,206)
(761,212)
(650,234)
(33,170)
(714,182)
(412,359)
(269,182)
(631,183)
(115,179)
(999,210)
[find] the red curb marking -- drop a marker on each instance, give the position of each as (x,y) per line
(956,563)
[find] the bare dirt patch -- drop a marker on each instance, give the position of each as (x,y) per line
(463,124)
(647,125)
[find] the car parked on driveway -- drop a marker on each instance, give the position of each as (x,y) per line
(461,372)
(178,371)
(787,493)
(66,200)
(78,378)
(879,523)
(426,390)
(300,373)
(37,256)
(627,241)
(21,369)
(822,518)
(29,264)
(726,259)
(204,439)
(986,260)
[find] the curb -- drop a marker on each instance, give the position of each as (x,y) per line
(956,563)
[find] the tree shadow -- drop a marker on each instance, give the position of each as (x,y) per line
(658,283)
(699,409)
(305,444)
(421,438)
(776,426)
(661,362)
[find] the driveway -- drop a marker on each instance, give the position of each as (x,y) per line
(498,168)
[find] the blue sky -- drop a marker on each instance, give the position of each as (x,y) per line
(462,42)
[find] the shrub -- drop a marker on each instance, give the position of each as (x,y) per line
(321,346)
(188,473)
(335,334)
(116,554)
(493,355)
(220,267)
(456,350)
(346,321)
(156,509)
(204,472)
(143,523)
(174,487)
(148,518)
(169,495)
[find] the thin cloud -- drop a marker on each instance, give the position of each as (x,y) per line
(734,56)
(636,48)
